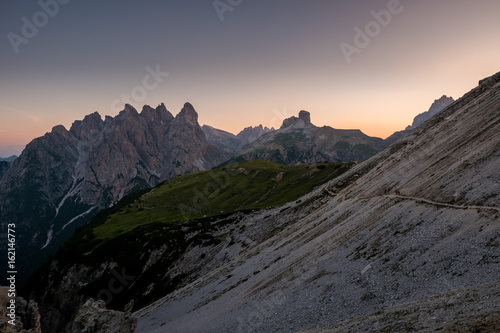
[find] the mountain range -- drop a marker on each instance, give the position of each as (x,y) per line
(403,241)
(300,141)
(61,180)
(231,143)
(65,177)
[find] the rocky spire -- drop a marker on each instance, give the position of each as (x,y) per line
(305,116)
(304,119)
(436,107)
(159,114)
(188,113)
(129,109)
(90,125)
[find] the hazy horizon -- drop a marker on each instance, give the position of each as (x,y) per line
(240,63)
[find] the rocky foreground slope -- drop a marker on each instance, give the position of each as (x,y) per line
(407,240)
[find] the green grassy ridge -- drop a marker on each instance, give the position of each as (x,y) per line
(246,185)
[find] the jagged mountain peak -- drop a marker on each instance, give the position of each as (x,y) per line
(59,129)
(188,113)
(305,116)
(128,113)
(250,134)
(128,109)
(445,98)
(95,116)
(441,103)
(162,108)
(147,108)
(436,107)
(90,119)
(159,114)
(302,121)
(90,125)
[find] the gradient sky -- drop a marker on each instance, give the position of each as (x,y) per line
(267,60)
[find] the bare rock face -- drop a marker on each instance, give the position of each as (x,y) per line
(88,128)
(93,317)
(4,166)
(63,178)
(188,114)
(30,316)
(305,116)
(302,121)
